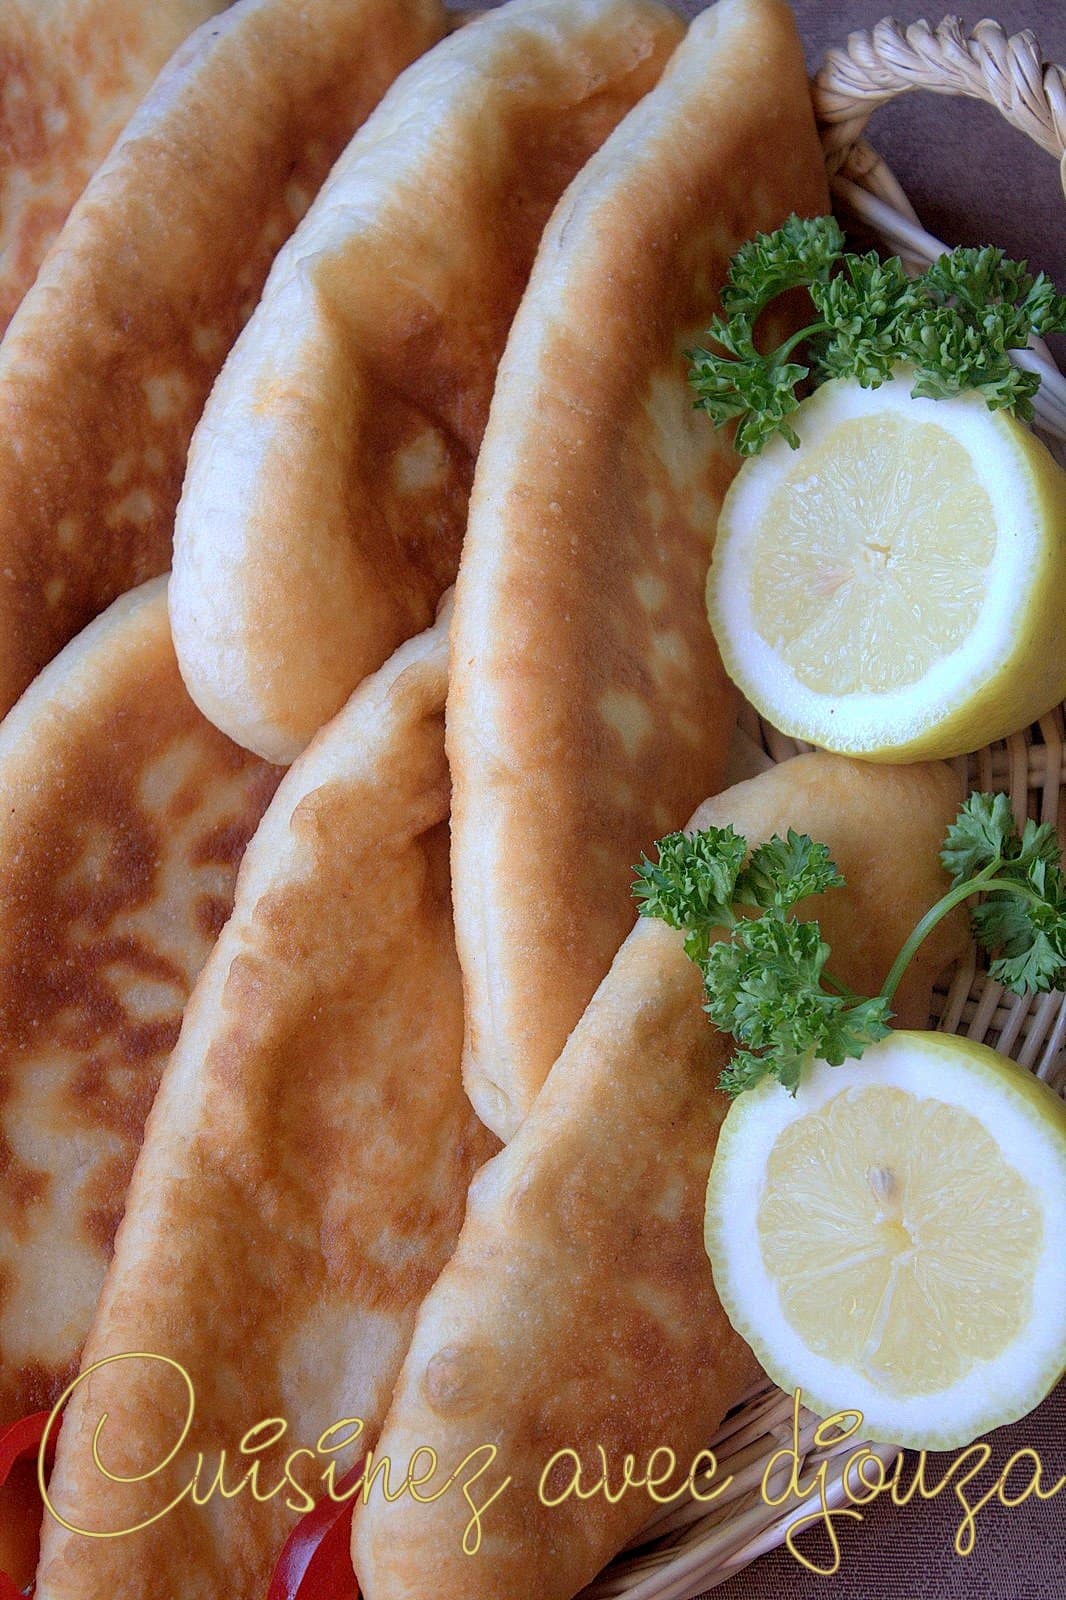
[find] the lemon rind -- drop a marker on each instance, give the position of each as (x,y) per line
(1030,1122)
(1012,668)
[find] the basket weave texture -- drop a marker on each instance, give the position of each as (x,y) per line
(693,1548)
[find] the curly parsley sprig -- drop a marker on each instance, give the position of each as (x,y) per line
(955,325)
(765,972)
(766,983)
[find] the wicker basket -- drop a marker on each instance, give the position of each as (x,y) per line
(691,1549)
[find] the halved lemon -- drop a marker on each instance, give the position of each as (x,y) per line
(890,1240)
(894,588)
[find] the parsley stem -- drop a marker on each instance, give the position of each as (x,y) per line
(783,351)
(982,882)
(839,988)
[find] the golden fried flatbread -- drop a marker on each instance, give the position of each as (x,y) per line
(305,1170)
(73,70)
(579,1309)
(124,817)
(327,488)
(107,362)
(589,711)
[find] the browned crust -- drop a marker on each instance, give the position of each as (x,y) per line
(107,363)
(125,818)
(326,497)
(579,1308)
(588,710)
(305,1169)
(72,73)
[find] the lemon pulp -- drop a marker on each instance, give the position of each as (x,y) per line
(873,559)
(902,1243)
(892,589)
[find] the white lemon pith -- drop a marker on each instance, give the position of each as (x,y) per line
(889,1240)
(893,588)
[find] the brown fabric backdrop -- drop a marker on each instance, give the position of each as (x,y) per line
(973,180)
(971,177)
(908,1554)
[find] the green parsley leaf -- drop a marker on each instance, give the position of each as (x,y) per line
(1036,969)
(1027,935)
(1038,844)
(951,355)
(850,1029)
(1003,922)
(744,1071)
(1021,921)
(762,392)
(954,325)
(764,975)
(801,252)
(864,311)
(692,884)
(979,837)
(782,872)
(983,280)
(765,988)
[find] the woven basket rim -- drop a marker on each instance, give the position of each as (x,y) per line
(686,1552)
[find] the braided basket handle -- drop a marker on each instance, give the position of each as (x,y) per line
(876,66)
(889,60)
